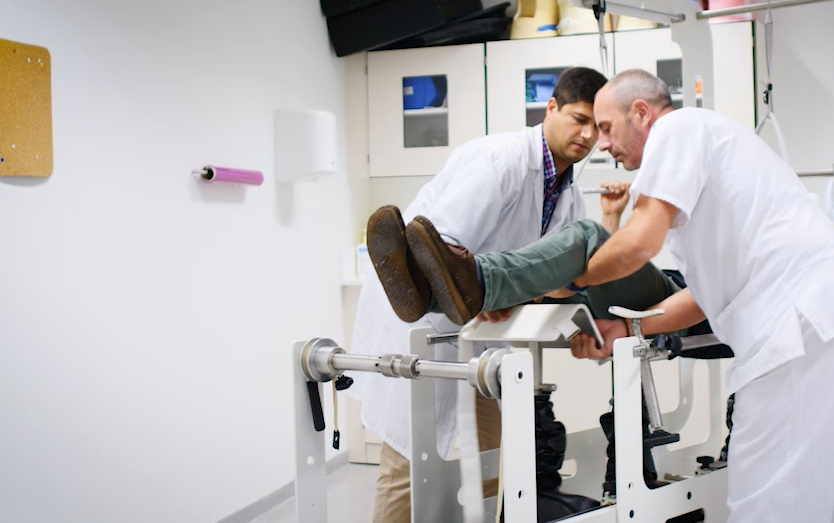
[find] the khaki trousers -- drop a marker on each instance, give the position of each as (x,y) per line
(393,491)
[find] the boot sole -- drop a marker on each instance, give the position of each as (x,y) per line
(388,250)
(423,241)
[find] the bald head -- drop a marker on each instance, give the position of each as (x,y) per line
(636,84)
(625,110)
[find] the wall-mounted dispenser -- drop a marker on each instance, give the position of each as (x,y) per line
(305,144)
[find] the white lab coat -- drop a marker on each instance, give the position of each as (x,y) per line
(488,197)
(754,246)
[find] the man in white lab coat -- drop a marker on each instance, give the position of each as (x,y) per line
(495,193)
(758,255)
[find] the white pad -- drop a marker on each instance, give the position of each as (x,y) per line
(622,312)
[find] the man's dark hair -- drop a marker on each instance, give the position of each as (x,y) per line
(578,84)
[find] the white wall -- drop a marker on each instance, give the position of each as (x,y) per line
(146,319)
(803,81)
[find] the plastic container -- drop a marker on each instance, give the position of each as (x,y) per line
(363,259)
(424,91)
(534,19)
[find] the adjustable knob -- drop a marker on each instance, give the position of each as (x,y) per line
(705,461)
(343,382)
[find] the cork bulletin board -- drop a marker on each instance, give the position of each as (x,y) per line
(25,110)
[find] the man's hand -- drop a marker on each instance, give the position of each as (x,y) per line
(495,316)
(614,203)
(585,346)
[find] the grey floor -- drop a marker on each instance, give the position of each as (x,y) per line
(350,497)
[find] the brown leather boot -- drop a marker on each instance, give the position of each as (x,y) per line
(450,269)
(401,277)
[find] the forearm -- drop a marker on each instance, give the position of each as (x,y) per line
(611,222)
(681,311)
(631,247)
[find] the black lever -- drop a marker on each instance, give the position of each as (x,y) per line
(343,382)
(315,405)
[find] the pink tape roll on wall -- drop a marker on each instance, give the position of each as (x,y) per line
(212,174)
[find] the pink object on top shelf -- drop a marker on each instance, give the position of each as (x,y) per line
(722,4)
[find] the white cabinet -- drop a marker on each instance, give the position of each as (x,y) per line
(422,103)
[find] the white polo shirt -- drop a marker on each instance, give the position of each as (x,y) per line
(753,244)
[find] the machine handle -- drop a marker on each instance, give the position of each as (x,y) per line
(315,405)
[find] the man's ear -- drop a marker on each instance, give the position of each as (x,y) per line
(643,112)
(552,105)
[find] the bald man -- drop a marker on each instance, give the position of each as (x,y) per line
(758,255)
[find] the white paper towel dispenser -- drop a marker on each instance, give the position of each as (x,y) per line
(305,144)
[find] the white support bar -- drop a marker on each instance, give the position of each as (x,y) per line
(435,482)
(310,474)
(519,442)
(668,12)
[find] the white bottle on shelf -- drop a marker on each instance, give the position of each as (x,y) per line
(363,260)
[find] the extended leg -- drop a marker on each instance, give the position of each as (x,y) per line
(551,263)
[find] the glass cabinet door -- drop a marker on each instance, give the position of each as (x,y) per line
(521,75)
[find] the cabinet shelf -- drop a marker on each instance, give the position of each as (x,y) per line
(678,97)
(428,111)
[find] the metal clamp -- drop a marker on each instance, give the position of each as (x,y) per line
(484,372)
(317,359)
(645,352)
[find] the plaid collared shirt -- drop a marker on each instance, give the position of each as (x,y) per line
(553,185)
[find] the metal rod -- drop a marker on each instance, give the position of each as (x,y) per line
(442,369)
(434,339)
(355,362)
(425,368)
(650,393)
(645,14)
(815,172)
(595,190)
(743,9)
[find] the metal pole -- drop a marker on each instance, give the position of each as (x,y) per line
(355,362)
(650,393)
(743,9)
(434,339)
(815,172)
(642,13)
(442,369)
(425,368)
